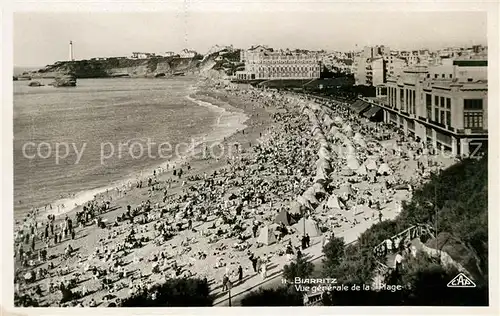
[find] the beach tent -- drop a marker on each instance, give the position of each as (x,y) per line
(339,136)
(321,175)
(324,153)
(346,172)
(338,120)
(334,203)
(350,150)
(266,236)
(384,169)
(296,207)
(362,171)
(370,164)
(310,196)
(334,130)
(318,188)
(345,191)
(361,142)
(285,218)
(347,129)
(328,121)
(358,136)
(352,163)
(308,226)
(305,203)
(324,164)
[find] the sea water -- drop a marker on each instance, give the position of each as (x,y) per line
(61,135)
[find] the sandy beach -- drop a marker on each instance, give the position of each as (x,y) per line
(297,168)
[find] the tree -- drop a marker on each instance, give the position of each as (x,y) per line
(173,293)
(334,254)
(281,296)
(301,268)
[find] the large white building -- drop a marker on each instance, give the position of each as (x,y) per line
(445,105)
(265,63)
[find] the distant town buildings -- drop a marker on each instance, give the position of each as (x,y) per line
(262,62)
(373,66)
(445,105)
(186,53)
(138,55)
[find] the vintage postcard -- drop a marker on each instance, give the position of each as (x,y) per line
(201,156)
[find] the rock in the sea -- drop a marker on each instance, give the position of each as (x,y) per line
(35,84)
(65,81)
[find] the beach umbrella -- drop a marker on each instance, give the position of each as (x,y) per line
(357,136)
(296,207)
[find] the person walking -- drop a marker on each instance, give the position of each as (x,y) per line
(263,271)
(240,274)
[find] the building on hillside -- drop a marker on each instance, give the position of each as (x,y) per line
(445,105)
(262,62)
(168,54)
(187,53)
(138,55)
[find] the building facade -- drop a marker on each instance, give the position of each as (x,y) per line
(266,64)
(446,106)
(186,53)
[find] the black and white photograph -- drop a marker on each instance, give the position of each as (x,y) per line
(216,158)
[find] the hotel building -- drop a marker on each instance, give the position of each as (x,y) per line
(266,64)
(445,105)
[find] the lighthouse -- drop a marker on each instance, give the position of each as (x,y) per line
(71,51)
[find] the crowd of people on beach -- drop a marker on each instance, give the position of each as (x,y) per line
(317,170)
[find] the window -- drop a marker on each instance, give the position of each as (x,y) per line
(473,113)
(473,104)
(435,76)
(436,101)
(448,118)
(451,76)
(469,79)
(473,120)
(436,114)
(448,103)
(442,117)
(442,76)
(428,99)
(442,102)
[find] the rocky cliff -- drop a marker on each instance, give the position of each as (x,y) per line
(120,67)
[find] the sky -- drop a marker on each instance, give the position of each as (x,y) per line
(43,38)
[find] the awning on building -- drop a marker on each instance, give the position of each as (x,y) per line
(372,112)
(359,106)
